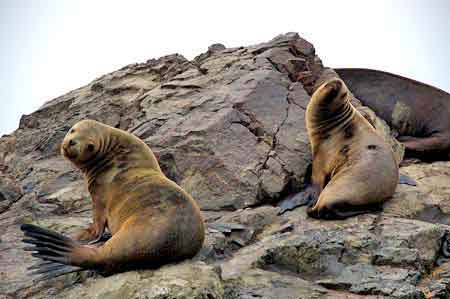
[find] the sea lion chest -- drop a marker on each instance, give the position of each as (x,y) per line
(124,194)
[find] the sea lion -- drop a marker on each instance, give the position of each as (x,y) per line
(353,169)
(419,112)
(152,220)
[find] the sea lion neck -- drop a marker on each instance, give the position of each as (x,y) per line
(120,152)
(325,116)
(104,157)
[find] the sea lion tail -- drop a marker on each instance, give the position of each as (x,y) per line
(54,248)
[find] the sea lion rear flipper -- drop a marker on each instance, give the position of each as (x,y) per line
(406,180)
(48,270)
(54,248)
(436,142)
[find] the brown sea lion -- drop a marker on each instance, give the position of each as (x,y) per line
(152,220)
(353,169)
(419,112)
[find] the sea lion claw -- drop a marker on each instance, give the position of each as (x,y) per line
(102,238)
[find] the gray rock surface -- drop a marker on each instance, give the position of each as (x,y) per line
(228,127)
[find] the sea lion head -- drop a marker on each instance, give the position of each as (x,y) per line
(332,90)
(327,102)
(82,143)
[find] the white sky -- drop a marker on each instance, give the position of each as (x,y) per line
(51,47)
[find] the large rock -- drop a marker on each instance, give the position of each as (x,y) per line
(10,192)
(272,285)
(229,127)
(184,281)
(367,255)
(429,200)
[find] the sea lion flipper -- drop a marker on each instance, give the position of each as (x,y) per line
(408,106)
(226,227)
(51,267)
(34,229)
(307,197)
(406,180)
(46,244)
(55,272)
(54,247)
(294,201)
(434,142)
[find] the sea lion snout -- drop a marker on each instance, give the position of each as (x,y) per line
(334,85)
(69,148)
(334,89)
(81,142)
(66,145)
(330,91)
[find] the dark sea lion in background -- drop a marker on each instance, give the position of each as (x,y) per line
(152,220)
(419,112)
(354,170)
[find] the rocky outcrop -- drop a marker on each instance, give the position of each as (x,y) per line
(228,127)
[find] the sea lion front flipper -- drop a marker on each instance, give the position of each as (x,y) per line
(406,180)
(307,197)
(94,233)
(294,201)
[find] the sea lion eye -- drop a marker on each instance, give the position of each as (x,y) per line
(72,131)
(90,147)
